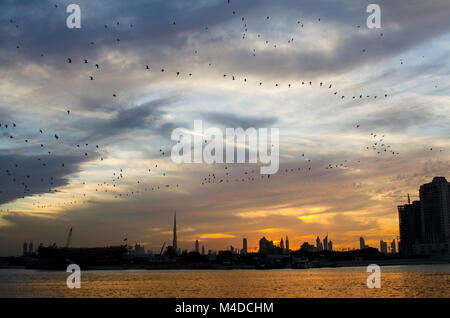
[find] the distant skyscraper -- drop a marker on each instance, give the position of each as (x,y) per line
(325,243)
(330,245)
(267,247)
(308,247)
(203,249)
(318,244)
(362,243)
(25,248)
(287,243)
(282,244)
(175,243)
(244,246)
(393,248)
(383,247)
(139,250)
(196,246)
(30,248)
(435,211)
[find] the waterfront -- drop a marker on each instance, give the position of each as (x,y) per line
(396,281)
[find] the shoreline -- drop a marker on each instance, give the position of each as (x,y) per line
(337,264)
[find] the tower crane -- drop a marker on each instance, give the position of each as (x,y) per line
(69,238)
(402,196)
(162,248)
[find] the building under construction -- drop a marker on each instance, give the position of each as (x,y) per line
(59,257)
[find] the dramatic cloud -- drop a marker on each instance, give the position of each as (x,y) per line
(362,113)
(235,121)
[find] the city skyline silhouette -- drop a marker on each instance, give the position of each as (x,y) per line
(86,117)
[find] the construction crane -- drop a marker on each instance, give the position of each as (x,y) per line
(402,196)
(69,238)
(162,248)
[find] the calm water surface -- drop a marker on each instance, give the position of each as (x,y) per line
(396,281)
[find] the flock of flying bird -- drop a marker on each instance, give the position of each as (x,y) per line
(22,179)
(303,165)
(117,185)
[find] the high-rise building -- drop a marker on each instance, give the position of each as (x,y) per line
(319,246)
(175,243)
(362,243)
(282,244)
(325,243)
(196,246)
(330,245)
(267,247)
(435,210)
(25,249)
(307,247)
(244,246)
(203,249)
(139,250)
(393,247)
(264,244)
(410,227)
(30,248)
(425,225)
(383,247)
(287,243)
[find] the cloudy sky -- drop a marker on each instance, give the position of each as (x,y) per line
(105,174)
